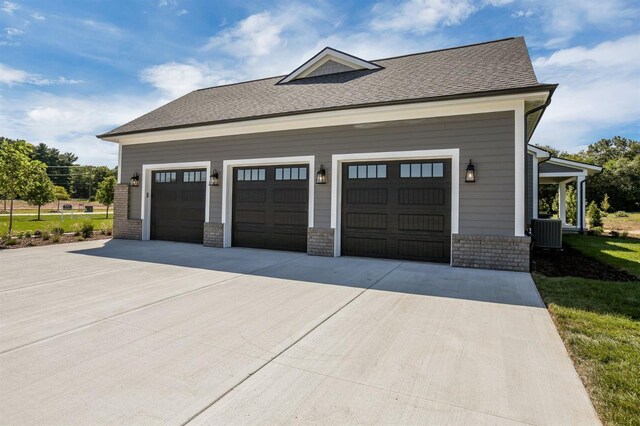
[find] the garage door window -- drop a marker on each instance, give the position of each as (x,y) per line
(165,177)
(291,173)
(368,171)
(251,174)
(421,170)
(199,176)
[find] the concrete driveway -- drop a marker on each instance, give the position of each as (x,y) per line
(154,332)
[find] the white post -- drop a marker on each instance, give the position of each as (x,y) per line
(562,202)
(582,208)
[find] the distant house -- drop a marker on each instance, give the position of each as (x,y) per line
(346,156)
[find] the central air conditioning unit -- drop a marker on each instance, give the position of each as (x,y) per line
(547,233)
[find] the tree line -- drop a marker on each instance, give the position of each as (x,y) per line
(41,174)
(617,188)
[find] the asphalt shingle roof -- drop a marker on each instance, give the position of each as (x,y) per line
(472,70)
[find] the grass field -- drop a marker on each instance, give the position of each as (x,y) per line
(630,224)
(29,223)
(599,322)
(621,252)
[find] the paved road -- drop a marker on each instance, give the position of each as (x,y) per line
(153,332)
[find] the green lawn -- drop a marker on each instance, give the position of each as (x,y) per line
(600,324)
(29,223)
(621,252)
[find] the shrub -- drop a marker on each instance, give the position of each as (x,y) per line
(621,213)
(11,242)
(106,229)
(595,230)
(593,215)
(27,234)
(80,238)
(20,235)
(624,234)
(57,230)
(614,233)
(604,205)
(46,235)
(55,238)
(37,233)
(86,229)
(92,199)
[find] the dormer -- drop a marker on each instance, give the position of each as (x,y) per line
(329,61)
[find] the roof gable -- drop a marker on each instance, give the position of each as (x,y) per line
(329,61)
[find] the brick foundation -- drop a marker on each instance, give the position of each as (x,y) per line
(491,252)
(320,241)
(213,234)
(123,227)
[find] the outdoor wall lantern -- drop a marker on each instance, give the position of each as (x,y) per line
(214,179)
(321,176)
(135,179)
(470,175)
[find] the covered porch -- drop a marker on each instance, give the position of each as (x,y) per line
(549,170)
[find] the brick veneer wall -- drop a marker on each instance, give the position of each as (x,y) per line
(123,227)
(491,252)
(213,234)
(320,241)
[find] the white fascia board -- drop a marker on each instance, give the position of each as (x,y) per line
(227,186)
(539,153)
(575,164)
(374,114)
(563,174)
(322,57)
(145,204)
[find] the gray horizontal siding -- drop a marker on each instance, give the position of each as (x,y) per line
(486,207)
(557,168)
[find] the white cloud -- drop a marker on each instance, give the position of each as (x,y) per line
(71,123)
(9,7)
(182,12)
(37,16)
(522,13)
(13,32)
(12,76)
(599,89)
(176,79)
(420,16)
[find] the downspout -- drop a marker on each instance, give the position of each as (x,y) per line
(582,207)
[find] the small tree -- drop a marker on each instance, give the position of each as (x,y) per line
(39,191)
(105,192)
(572,204)
(15,166)
(593,215)
(605,206)
(60,193)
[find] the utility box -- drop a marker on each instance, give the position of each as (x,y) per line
(88,209)
(67,207)
(547,233)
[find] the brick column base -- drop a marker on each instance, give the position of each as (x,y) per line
(213,234)
(123,227)
(320,241)
(491,252)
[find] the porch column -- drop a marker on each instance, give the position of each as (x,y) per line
(562,202)
(581,207)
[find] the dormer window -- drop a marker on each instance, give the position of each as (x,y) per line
(329,61)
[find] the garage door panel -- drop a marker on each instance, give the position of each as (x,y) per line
(405,213)
(271,211)
(178,206)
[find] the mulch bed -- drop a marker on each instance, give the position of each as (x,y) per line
(570,262)
(38,241)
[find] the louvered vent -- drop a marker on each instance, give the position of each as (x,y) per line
(547,233)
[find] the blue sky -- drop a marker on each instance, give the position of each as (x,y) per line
(72,69)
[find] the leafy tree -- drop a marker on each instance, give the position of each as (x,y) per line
(572,204)
(39,190)
(86,179)
(106,191)
(615,148)
(15,170)
(58,163)
(60,193)
(593,215)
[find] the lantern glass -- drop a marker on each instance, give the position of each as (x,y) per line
(321,176)
(214,179)
(470,175)
(135,179)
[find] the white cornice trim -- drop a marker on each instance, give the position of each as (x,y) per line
(322,57)
(375,114)
(574,164)
(539,153)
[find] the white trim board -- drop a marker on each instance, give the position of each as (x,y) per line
(375,114)
(145,204)
(322,57)
(227,186)
(520,172)
(432,154)
(562,174)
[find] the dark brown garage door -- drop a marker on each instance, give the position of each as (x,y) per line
(178,205)
(270,207)
(397,210)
